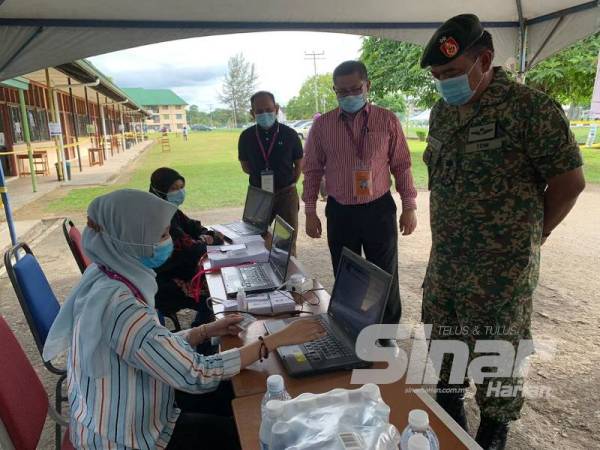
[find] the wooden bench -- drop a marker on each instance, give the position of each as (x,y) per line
(40,163)
(96,156)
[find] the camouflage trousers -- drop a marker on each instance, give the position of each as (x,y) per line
(472,305)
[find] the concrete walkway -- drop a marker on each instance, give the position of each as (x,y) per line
(20,190)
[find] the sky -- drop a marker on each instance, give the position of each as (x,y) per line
(194,68)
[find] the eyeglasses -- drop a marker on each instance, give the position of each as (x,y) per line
(347,92)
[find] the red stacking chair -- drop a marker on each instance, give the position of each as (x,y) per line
(73,237)
(23,400)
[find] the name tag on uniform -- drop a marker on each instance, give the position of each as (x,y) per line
(485,145)
(482,132)
(434,142)
(267,181)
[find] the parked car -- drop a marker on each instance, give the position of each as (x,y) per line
(200,127)
(302,128)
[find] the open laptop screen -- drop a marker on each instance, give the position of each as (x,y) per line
(359,294)
(281,246)
(259,205)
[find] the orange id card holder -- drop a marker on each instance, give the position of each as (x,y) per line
(363,182)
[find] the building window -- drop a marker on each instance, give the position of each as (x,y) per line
(179,116)
(156,118)
(15,119)
(166,116)
(38,124)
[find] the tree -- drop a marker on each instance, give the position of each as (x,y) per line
(302,106)
(238,86)
(394,69)
(392,101)
(569,75)
(195,117)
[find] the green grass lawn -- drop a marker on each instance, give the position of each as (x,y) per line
(214,179)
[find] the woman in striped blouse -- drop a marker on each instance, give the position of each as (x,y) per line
(123,366)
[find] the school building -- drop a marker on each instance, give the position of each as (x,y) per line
(71,114)
(166,107)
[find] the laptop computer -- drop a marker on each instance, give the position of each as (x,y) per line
(256,217)
(263,277)
(358,300)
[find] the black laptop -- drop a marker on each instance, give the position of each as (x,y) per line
(358,300)
(256,217)
(263,277)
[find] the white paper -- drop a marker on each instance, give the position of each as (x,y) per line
(55,129)
(225,248)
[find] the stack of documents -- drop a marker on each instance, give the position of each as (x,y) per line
(237,254)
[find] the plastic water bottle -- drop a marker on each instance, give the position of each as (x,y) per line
(272,411)
(418,424)
(241,299)
(418,442)
(275,391)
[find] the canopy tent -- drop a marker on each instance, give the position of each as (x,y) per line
(36,34)
(40,33)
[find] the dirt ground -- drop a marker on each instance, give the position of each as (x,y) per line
(566,305)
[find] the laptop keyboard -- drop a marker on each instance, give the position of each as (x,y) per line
(254,276)
(326,347)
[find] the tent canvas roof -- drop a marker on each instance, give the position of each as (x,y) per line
(41,33)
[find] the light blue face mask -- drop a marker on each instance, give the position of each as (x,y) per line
(351,103)
(162,252)
(266,120)
(176,197)
(457,91)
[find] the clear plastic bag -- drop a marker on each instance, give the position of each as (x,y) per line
(340,419)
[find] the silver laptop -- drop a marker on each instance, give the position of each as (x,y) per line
(256,217)
(358,300)
(263,277)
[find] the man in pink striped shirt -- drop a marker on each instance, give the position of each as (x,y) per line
(356,147)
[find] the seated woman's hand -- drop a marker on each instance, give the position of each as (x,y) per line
(225,326)
(207,239)
(297,332)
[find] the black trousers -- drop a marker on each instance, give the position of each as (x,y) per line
(371,229)
(206,421)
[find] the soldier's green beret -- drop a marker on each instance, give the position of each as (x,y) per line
(451,39)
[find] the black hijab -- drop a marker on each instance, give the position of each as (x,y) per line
(161,181)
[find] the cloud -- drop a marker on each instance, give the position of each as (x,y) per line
(165,76)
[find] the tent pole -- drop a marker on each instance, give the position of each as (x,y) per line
(27,137)
(522,60)
(7,209)
(543,46)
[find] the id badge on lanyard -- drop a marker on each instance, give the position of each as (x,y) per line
(363,182)
(267,180)
(362,173)
(267,176)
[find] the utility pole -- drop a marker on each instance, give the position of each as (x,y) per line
(315,56)
(210,119)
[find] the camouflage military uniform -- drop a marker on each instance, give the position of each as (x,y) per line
(488,165)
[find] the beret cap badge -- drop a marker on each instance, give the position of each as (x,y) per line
(449,47)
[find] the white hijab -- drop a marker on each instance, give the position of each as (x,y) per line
(128,223)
